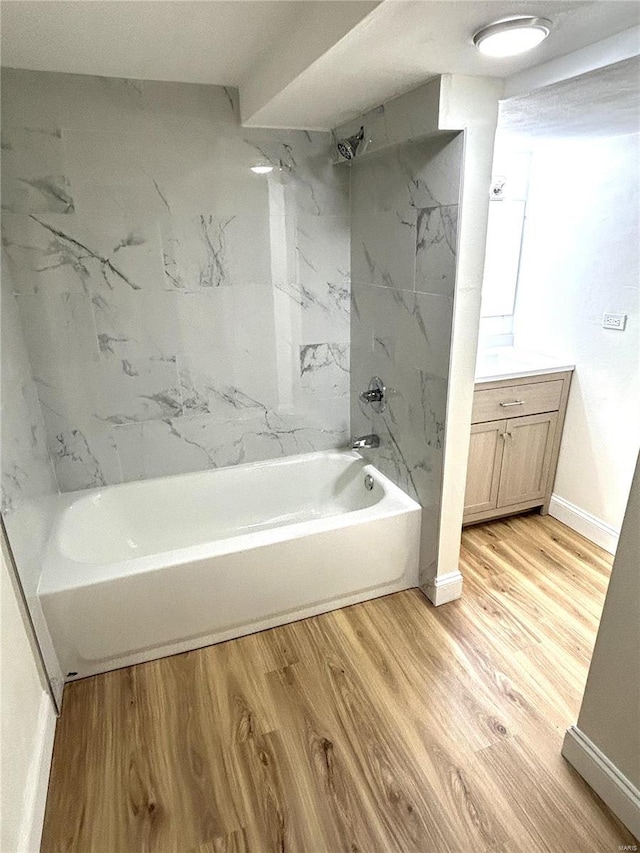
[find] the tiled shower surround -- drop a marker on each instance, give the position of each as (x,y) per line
(26,467)
(180,312)
(404,213)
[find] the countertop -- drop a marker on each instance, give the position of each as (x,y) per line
(512,363)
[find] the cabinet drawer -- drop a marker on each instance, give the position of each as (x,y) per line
(512,401)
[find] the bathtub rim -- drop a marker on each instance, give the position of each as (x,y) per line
(61,573)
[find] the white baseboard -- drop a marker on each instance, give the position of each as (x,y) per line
(444,588)
(607,781)
(583,522)
(35,794)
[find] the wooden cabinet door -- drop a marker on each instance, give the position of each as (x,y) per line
(526,460)
(483,467)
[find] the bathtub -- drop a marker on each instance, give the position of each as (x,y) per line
(147,569)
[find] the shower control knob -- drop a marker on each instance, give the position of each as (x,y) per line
(375,394)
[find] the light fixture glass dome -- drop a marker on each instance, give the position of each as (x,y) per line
(262,169)
(508,38)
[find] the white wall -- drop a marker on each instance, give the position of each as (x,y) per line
(580,258)
(470,103)
(610,712)
(605,745)
(27,730)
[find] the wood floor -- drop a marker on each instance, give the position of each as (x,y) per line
(386,727)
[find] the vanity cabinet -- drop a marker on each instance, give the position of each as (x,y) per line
(515,441)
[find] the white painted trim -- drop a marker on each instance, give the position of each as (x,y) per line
(603,776)
(617,48)
(444,588)
(589,526)
(35,793)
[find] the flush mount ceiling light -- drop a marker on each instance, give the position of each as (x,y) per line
(516,35)
(262,170)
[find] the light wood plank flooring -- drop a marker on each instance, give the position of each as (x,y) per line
(386,727)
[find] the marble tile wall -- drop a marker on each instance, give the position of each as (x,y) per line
(28,479)
(180,312)
(411,115)
(27,472)
(404,204)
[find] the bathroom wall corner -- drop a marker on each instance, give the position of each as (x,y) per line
(472,104)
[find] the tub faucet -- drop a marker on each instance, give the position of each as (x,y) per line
(365,441)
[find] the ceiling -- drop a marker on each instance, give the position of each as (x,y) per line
(404,42)
(187,41)
(297,63)
(601,103)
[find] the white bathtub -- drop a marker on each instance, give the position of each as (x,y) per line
(147,569)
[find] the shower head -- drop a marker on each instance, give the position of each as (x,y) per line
(347,147)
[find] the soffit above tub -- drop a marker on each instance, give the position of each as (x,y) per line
(402,43)
(298,63)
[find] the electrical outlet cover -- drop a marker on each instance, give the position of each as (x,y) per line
(614,321)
